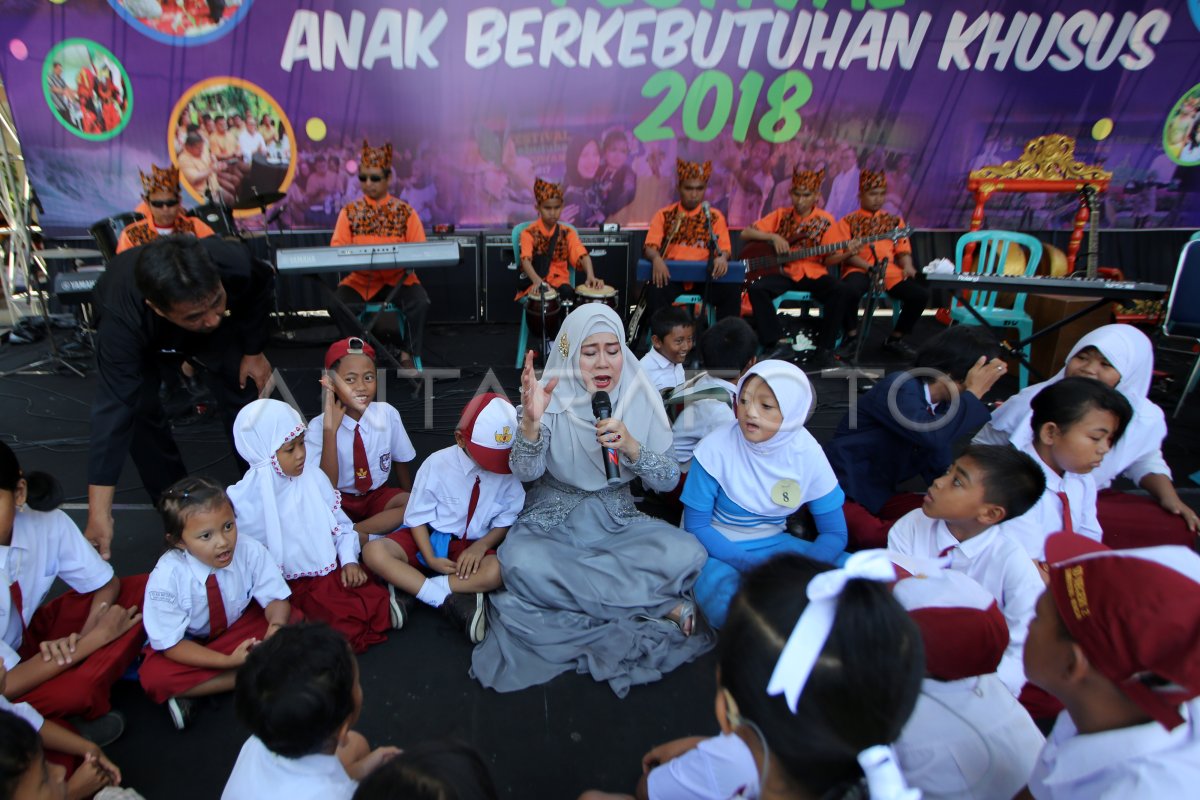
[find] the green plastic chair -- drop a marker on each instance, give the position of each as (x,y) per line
(993,247)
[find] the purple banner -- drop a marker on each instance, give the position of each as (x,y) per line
(271,96)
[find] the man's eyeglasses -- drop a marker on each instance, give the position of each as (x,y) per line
(372,178)
(164,203)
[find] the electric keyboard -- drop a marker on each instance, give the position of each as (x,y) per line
(1077,287)
(693,271)
(356,257)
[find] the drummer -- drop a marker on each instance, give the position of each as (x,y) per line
(162,214)
(544,242)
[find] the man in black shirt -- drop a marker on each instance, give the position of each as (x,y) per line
(178,298)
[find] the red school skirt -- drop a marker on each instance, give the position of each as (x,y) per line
(364,506)
(869,532)
(361,615)
(1134,520)
(83,689)
(163,678)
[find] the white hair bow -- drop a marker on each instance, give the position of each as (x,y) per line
(808,637)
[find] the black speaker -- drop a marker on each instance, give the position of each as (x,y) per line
(454,292)
(503,278)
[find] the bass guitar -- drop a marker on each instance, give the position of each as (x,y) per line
(762,260)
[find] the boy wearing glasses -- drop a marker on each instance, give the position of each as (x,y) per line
(379,218)
(162,215)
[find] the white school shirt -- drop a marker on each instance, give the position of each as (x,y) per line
(384,439)
(24,711)
(260,773)
(176,604)
(701,418)
(662,373)
(441,495)
(1046,517)
(968,739)
(720,768)
(45,545)
(995,562)
(1143,762)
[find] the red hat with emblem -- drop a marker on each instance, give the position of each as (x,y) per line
(350,346)
(489,423)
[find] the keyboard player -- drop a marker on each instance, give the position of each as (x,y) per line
(380,218)
(688,231)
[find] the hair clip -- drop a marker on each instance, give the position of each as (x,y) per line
(808,637)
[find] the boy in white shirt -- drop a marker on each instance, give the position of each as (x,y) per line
(729,347)
(961,519)
(1117,640)
(672,336)
(299,695)
(356,441)
(968,737)
(463,501)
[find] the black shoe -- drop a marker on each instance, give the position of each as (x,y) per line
(897,347)
(848,346)
(399,607)
(101,731)
(469,611)
(820,358)
(182,710)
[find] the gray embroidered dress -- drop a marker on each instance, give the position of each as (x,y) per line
(588,580)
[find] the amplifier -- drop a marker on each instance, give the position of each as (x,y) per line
(502,277)
(454,292)
(75,288)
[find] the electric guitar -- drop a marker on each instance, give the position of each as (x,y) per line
(762,260)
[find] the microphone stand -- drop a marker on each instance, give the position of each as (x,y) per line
(876,273)
(542,311)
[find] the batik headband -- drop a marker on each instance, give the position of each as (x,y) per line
(808,180)
(545,190)
(375,157)
(693,170)
(869,179)
(161,180)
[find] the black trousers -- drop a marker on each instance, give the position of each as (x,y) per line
(413,301)
(827,290)
(913,295)
(153,448)
(725,298)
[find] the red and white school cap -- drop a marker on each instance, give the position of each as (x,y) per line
(964,631)
(350,346)
(489,423)
(1136,615)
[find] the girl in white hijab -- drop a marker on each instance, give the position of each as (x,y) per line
(591,583)
(1122,357)
(750,475)
(297,515)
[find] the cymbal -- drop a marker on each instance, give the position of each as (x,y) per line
(65,253)
(258,201)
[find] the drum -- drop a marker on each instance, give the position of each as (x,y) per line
(547,305)
(107,232)
(217,217)
(605,294)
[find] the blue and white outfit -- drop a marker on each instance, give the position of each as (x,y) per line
(739,494)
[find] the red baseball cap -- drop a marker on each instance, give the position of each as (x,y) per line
(964,631)
(1136,614)
(489,423)
(351,345)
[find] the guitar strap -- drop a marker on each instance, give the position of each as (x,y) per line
(541,263)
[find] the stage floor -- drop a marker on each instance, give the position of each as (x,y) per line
(551,741)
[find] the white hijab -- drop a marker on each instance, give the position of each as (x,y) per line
(755,475)
(292,517)
(574,456)
(1132,354)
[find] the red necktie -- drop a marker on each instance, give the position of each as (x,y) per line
(14,593)
(1067,526)
(217,622)
(946,550)
(362,470)
(471,505)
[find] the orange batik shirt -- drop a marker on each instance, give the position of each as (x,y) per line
(568,249)
(691,241)
(816,229)
(143,231)
(386,221)
(863,223)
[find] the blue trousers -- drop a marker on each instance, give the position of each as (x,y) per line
(718,581)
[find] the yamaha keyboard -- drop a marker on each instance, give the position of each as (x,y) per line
(73,288)
(693,271)
(357,257)
(1077,287)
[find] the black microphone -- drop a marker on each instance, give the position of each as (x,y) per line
(602,409)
